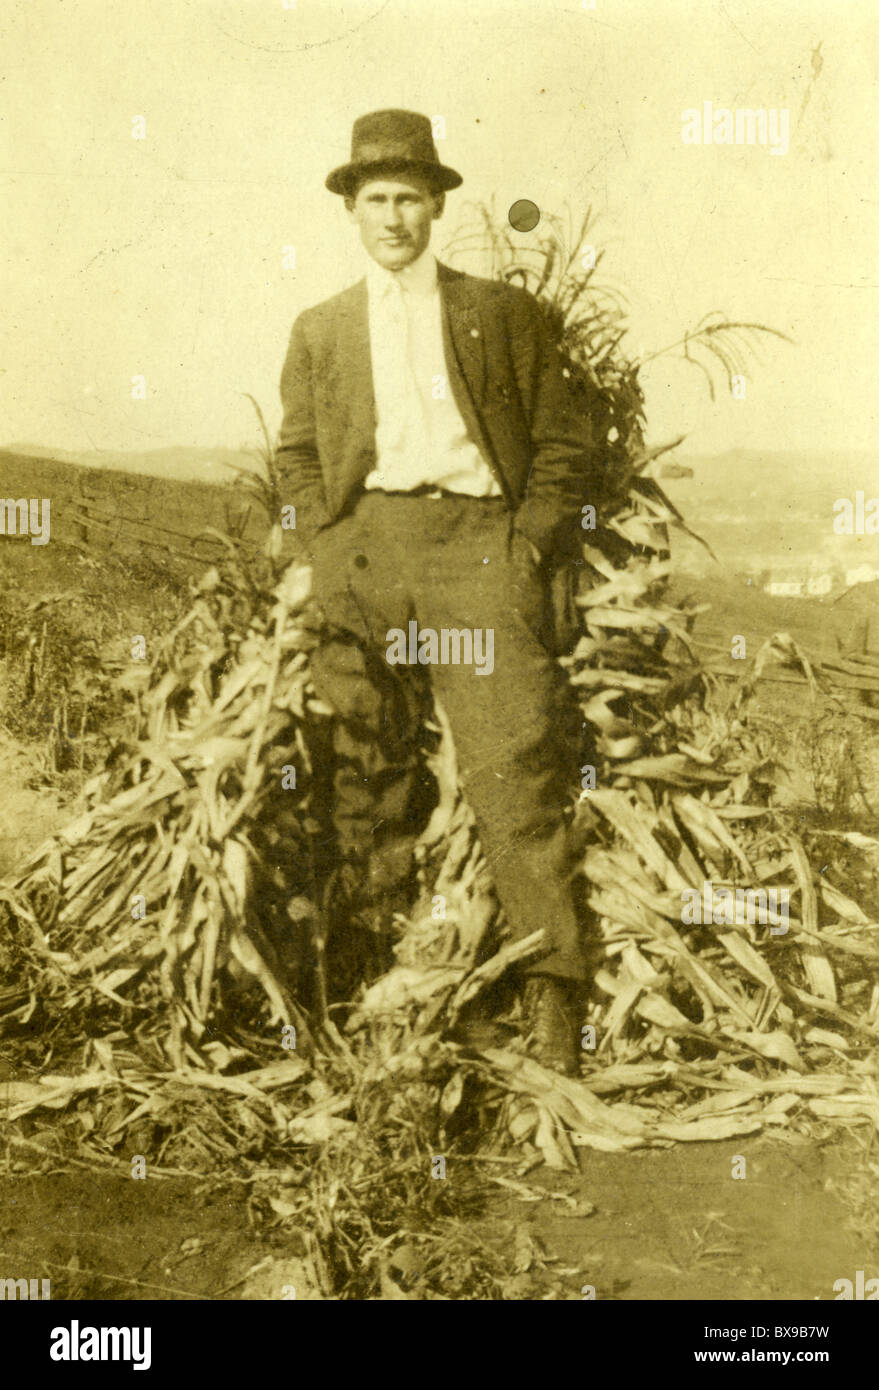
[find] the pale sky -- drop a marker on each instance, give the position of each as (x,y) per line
(163,256)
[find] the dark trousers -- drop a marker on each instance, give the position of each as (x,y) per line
(454,563)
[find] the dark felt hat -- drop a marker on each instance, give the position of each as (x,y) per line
(392,141)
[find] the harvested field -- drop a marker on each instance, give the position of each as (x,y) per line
(659,1073)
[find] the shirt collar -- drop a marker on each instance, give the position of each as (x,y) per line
(419,278)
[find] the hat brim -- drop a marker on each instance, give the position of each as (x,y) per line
(440,176)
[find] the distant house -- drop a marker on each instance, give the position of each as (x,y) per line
(820,584)
(788,586)
(785,588)
(864,574)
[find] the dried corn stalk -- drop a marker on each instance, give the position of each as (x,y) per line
(144,907)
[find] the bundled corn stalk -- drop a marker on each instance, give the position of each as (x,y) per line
(143,912)
(169,941)
(730,972)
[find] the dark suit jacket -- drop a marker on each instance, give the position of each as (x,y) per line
(530,420)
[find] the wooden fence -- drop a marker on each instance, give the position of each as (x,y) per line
(107,510)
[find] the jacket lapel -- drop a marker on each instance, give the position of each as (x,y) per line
(352,362)
(350,385)
(463,331)
(465,348)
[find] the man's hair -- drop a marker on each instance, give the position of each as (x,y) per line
(392,171)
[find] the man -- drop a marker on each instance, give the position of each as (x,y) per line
(438,455)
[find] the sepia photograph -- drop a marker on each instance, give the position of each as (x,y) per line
(439,662)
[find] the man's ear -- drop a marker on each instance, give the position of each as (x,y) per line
(439,203)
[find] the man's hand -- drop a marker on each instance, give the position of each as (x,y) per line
(295,586)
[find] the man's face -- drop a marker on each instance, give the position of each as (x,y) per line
(394,216)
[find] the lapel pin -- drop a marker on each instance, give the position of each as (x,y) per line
(474,332)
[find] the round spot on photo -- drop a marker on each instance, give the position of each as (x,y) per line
(524,215)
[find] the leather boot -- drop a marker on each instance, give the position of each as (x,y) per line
(553,1011)
(355,951)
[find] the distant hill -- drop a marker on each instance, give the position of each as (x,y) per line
(757,509)
(762,509)
(181,463)
(803,480)
(155,504)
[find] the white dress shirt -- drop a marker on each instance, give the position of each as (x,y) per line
(420,436)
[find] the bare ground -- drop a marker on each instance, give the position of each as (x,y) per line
(668,1225)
